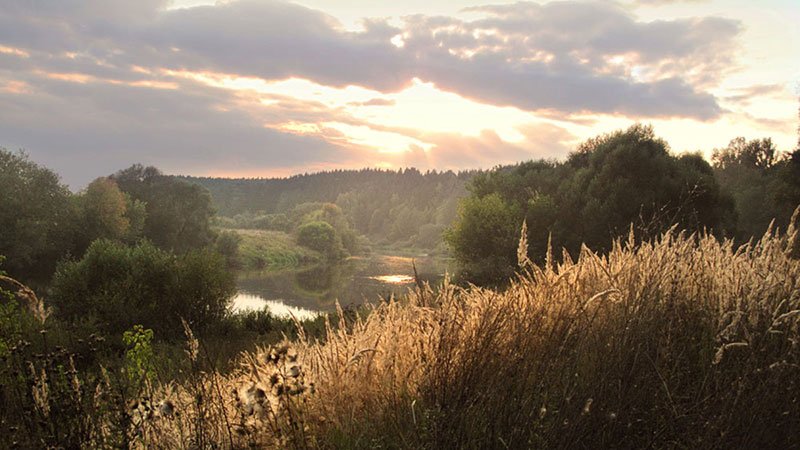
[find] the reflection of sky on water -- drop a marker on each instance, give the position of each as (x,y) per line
(393,279)
(243,302)
(351,282)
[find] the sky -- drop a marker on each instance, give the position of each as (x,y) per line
(271,88)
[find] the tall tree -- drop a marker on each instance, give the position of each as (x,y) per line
(103,213)
(35,215)
(763,182)
(610,183)
(177,213)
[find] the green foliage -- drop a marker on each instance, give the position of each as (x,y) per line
(255,221)
(272,250)
(320,236)
(120,286)
(485,238)
(35,217)
(764,184)
(332,215)
(389,207)
(610,183)
(102,212)
(139,355)
(227,245)
(177,213)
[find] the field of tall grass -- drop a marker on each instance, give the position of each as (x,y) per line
(683,342)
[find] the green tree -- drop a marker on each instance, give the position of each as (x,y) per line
(610,183)
(227,245)
(35,217)
(102,210)
(762,181)
(177,213)
(484,238)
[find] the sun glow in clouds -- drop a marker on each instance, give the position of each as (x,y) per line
(390,123)
(716,75)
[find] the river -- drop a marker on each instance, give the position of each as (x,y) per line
(354,281)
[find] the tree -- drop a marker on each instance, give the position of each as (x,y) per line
(35,215)
(630,177)
(484,238)
(102,210)
(761,180)
(227,245)
(177,213)
(611,182)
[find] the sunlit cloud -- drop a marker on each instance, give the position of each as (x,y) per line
(14,51)
(264,88)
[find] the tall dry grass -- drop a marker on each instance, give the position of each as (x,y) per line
(685,342)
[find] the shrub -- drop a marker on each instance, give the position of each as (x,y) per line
(227,245)
(322,237)
(121,286)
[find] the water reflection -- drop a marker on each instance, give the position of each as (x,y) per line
(394,279)
(351,282)
(244,302)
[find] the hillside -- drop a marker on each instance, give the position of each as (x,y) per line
(405,207)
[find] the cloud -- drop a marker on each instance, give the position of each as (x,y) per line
(375,102)
(552,56)
(666,2)
(458,152)
(749,93)
(91,86)
(89,130)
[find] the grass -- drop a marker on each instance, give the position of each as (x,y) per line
(273,250)
(684,342)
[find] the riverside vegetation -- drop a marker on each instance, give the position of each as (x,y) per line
(622,316)
(680,342)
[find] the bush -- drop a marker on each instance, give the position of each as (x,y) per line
(120,286)
(320,236)
(227,245)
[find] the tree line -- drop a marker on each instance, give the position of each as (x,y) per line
(404,207)
(135,247)
(614,184)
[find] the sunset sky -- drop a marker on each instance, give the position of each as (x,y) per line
(273,88)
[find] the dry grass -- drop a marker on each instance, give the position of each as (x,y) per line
(681,343)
